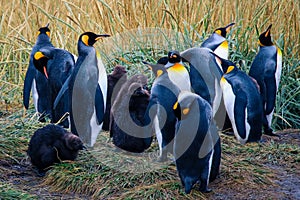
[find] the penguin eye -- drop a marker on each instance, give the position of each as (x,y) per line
(85,40)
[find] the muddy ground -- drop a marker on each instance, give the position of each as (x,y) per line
(285,183)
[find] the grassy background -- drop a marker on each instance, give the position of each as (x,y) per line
(145,30)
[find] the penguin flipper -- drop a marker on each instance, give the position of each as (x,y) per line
(270,83)
(240,111)
(61,92)
(99,104)
(30,74)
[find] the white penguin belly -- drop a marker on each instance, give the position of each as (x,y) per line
(181,79)
(95,128)
(229,102)
(35,95)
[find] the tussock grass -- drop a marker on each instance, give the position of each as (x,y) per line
(137,33)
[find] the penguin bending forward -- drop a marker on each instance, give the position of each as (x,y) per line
(193,143)
(56,65)
(266,70)
(242,102)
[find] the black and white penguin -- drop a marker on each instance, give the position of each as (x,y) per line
(52,144)
(127,113)
(193,143)
(217,41)
(115,81)
(37,82)
(178,74)
(242,102)
(57,65)
(266,70)
(159,114)
(87,87)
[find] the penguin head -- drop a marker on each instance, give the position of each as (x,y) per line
(184,103)
(40,62)
(265,38)
(223,30)
(226,65)
(119,71)
(157,69)
(90,38)
(44,30)
(174,57)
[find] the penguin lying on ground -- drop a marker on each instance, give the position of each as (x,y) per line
(52,144)
(118,77)
(57,65)
(242,102)
(163,96)
(37,82)
(130,106)
(266,70)
(87,87)
(193,143)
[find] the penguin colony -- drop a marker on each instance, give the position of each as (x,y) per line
(181,107)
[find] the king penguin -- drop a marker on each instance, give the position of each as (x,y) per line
(193,143)
(37,82)
(57,65)
(217,41)
(266,70)
(163,96)
(242,102)
(87,87)
(178,74)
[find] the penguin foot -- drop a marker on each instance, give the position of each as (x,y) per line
(270,133)
(162,159)
(229,133)
(205,190)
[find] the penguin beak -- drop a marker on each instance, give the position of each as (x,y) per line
(227,28)
(47,24)
(101,36)
(45,72)
(268,31)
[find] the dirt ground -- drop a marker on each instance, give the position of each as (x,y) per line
(286,180)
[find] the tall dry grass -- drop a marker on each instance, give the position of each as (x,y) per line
(195,20)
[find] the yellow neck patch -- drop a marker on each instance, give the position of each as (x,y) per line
(175,105)
(259,43)
(223,80)
(159,72)
(177,67)
(48,33)
(38,55)
(230,68)
(279,52)
(85,40)
(224,44)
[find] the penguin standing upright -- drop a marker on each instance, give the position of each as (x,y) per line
(178,74)
(242,102)
(37,82)
(266,70)
(57,65)
(217,41)
(193,143)
(163,96)
(87,87)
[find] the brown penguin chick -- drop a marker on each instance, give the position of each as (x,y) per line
(127,113)
(115,80)
(52,144)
